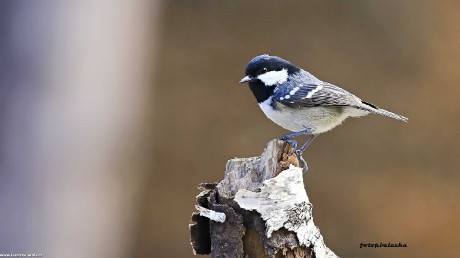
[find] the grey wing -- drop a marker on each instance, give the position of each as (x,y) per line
(326,94)
(320,94)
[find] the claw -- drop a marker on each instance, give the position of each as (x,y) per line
(293,144)
(302,162)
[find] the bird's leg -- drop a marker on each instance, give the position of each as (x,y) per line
(299,152)
(293,143)
(302,162)
(291,135)
(307,143)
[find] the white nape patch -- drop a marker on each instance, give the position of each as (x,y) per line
(287,96)
(293,91)
(310,94)
(273,77)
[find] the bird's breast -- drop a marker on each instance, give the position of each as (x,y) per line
(318,119)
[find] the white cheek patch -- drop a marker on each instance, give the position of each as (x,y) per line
(273,77)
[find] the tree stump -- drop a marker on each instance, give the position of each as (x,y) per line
(260,209)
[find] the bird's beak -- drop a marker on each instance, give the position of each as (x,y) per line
(247,79)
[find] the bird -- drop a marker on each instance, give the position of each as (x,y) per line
(300,102)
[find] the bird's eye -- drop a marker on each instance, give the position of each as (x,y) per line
(262,71)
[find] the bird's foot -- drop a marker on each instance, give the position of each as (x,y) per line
(298,152)
(293,143)
(302,162)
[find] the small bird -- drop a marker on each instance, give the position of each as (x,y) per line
(299,102)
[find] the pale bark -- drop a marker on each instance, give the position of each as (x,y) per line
(266,210)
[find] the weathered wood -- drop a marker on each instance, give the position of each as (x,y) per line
(265,207)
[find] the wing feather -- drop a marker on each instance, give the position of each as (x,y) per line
(320,94)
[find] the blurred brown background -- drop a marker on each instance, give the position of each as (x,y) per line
(184,115)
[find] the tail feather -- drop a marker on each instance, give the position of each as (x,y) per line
(376,110)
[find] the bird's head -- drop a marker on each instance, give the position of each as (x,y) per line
(268,70)
(264,73)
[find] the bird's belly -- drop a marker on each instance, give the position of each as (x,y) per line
(317,119)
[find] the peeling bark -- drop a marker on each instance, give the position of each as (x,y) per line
(265,207)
